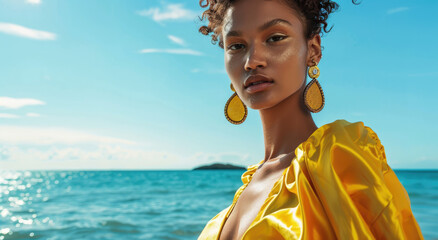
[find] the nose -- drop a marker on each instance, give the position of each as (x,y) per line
(255,58)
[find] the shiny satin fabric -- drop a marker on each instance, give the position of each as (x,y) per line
(338,186)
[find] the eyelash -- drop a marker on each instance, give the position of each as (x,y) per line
(281,36)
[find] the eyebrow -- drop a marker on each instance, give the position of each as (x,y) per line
(261,28)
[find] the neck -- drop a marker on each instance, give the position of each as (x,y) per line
(286,125)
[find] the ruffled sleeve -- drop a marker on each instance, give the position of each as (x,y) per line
(341,171)
(338,186)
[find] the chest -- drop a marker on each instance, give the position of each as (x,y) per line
(247,207)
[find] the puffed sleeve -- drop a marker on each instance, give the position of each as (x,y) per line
(362,198)
(399,209)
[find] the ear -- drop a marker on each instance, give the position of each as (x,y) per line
(314,50)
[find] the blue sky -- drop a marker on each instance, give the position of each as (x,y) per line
(133,85)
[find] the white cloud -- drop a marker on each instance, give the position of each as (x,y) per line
(103,156)
(33,115)
(176,40)
(17,30)
(172,51)
(34,1)
(396,10)
(14,103)
(7,115)
(106,156)
(27,148)
(171,12)
(51,135)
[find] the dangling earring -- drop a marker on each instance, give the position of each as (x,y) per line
(313,94)
(235,111)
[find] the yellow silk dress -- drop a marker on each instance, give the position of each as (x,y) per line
(338,186)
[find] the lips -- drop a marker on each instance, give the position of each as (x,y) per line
(256,79)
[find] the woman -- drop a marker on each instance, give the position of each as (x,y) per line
(330,182)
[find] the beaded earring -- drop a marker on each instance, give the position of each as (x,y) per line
(235,111)
(313,94)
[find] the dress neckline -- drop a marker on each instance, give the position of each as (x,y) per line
(251,170)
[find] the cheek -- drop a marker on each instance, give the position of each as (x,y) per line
(230,63)
(291,63)
(232,67)
(292,53)
(227,64)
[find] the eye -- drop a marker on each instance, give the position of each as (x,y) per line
(230,47)
(276,38)
(279,37)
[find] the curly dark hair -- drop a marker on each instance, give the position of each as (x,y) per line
(315,13)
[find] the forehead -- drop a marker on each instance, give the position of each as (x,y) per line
(250,15)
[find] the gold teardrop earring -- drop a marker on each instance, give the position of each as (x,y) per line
(313,94)
(235,111)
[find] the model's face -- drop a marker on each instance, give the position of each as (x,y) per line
(278,50)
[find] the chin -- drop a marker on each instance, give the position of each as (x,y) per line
(258,103)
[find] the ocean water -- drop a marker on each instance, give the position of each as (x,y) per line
(145,204)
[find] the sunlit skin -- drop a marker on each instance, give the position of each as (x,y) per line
(281,52)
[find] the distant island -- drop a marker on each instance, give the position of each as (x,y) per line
(219,166)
